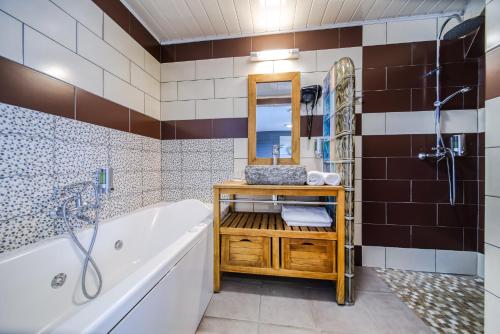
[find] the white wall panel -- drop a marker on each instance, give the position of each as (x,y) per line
(411,259)
(85,12)
(101,53)
(152,66)
(492,269)
(375,34)
(214,68)
(51,58)
(177,110)
(45,17)
(152,107)
(231,87)
(195,90)
(11,38)
(214,108)
(123,93)
(121,40)
(492,121)
(491,312)
(145,82)
(178,71)
(411,31)
(492,163)
(492,220)
(456,262)
(373,124)
(240,106)
(326,58)
(169,91)
(243,67)
(305,63)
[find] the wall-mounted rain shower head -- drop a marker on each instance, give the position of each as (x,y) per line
(464,28)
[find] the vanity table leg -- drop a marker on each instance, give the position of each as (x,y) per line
(216,214)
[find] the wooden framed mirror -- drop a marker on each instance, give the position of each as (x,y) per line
(274,118)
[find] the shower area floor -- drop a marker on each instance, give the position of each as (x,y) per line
(387,301)
(446,303)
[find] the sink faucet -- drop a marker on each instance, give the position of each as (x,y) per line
(276,153)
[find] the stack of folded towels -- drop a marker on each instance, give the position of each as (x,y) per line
(305,216)
(315,178)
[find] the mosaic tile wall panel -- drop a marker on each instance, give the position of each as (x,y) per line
(40,153)
(447,303)
(191,167)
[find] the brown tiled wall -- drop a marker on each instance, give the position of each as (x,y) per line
(405,200)
(223,128)
(24,87)
(394,81)
(122,16)
(237,47)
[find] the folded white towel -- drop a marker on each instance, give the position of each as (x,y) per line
(332,179)
(293,223)
(315,178)
(305,216)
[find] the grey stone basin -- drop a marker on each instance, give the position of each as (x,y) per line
(280,174)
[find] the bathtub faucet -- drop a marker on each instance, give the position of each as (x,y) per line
(101,185)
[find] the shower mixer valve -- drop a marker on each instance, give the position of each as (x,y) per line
(103,185)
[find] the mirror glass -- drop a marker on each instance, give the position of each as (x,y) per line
(274,118)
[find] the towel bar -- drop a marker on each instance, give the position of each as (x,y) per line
(274,202)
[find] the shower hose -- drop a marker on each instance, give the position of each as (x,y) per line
(86,252)
(448,155)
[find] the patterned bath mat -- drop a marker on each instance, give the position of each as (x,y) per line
(447,303)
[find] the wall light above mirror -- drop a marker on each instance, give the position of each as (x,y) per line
(274,54)
(274,117)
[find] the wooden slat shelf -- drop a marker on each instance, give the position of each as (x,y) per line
(263,244)
(270,225)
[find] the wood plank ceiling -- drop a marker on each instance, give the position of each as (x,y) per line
(189,20)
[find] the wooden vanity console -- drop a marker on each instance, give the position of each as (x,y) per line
(262,243)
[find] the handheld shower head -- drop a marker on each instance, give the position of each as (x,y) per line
(461,91)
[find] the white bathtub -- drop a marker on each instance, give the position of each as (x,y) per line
(160,281)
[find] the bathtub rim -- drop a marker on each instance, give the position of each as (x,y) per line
(30,248)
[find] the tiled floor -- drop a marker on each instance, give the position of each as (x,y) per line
(263,305)
(447,303)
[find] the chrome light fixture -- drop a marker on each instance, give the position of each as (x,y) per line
(274,54)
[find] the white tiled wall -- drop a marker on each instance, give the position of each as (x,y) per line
(121,92)
(375,34)
(400,31)
(76,42)
(411,31)
(101,53)
(222,83)
(47,56)
(422,259)
(430,260)
(121,40)
(420,122)
(45,17)
(492,176)
(85,12)
(11,38)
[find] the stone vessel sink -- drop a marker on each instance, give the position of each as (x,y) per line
(277,175)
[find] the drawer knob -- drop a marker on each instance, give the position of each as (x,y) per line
(246,240)
(307,244)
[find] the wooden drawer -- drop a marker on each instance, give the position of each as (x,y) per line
(308,255)
(246,251)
